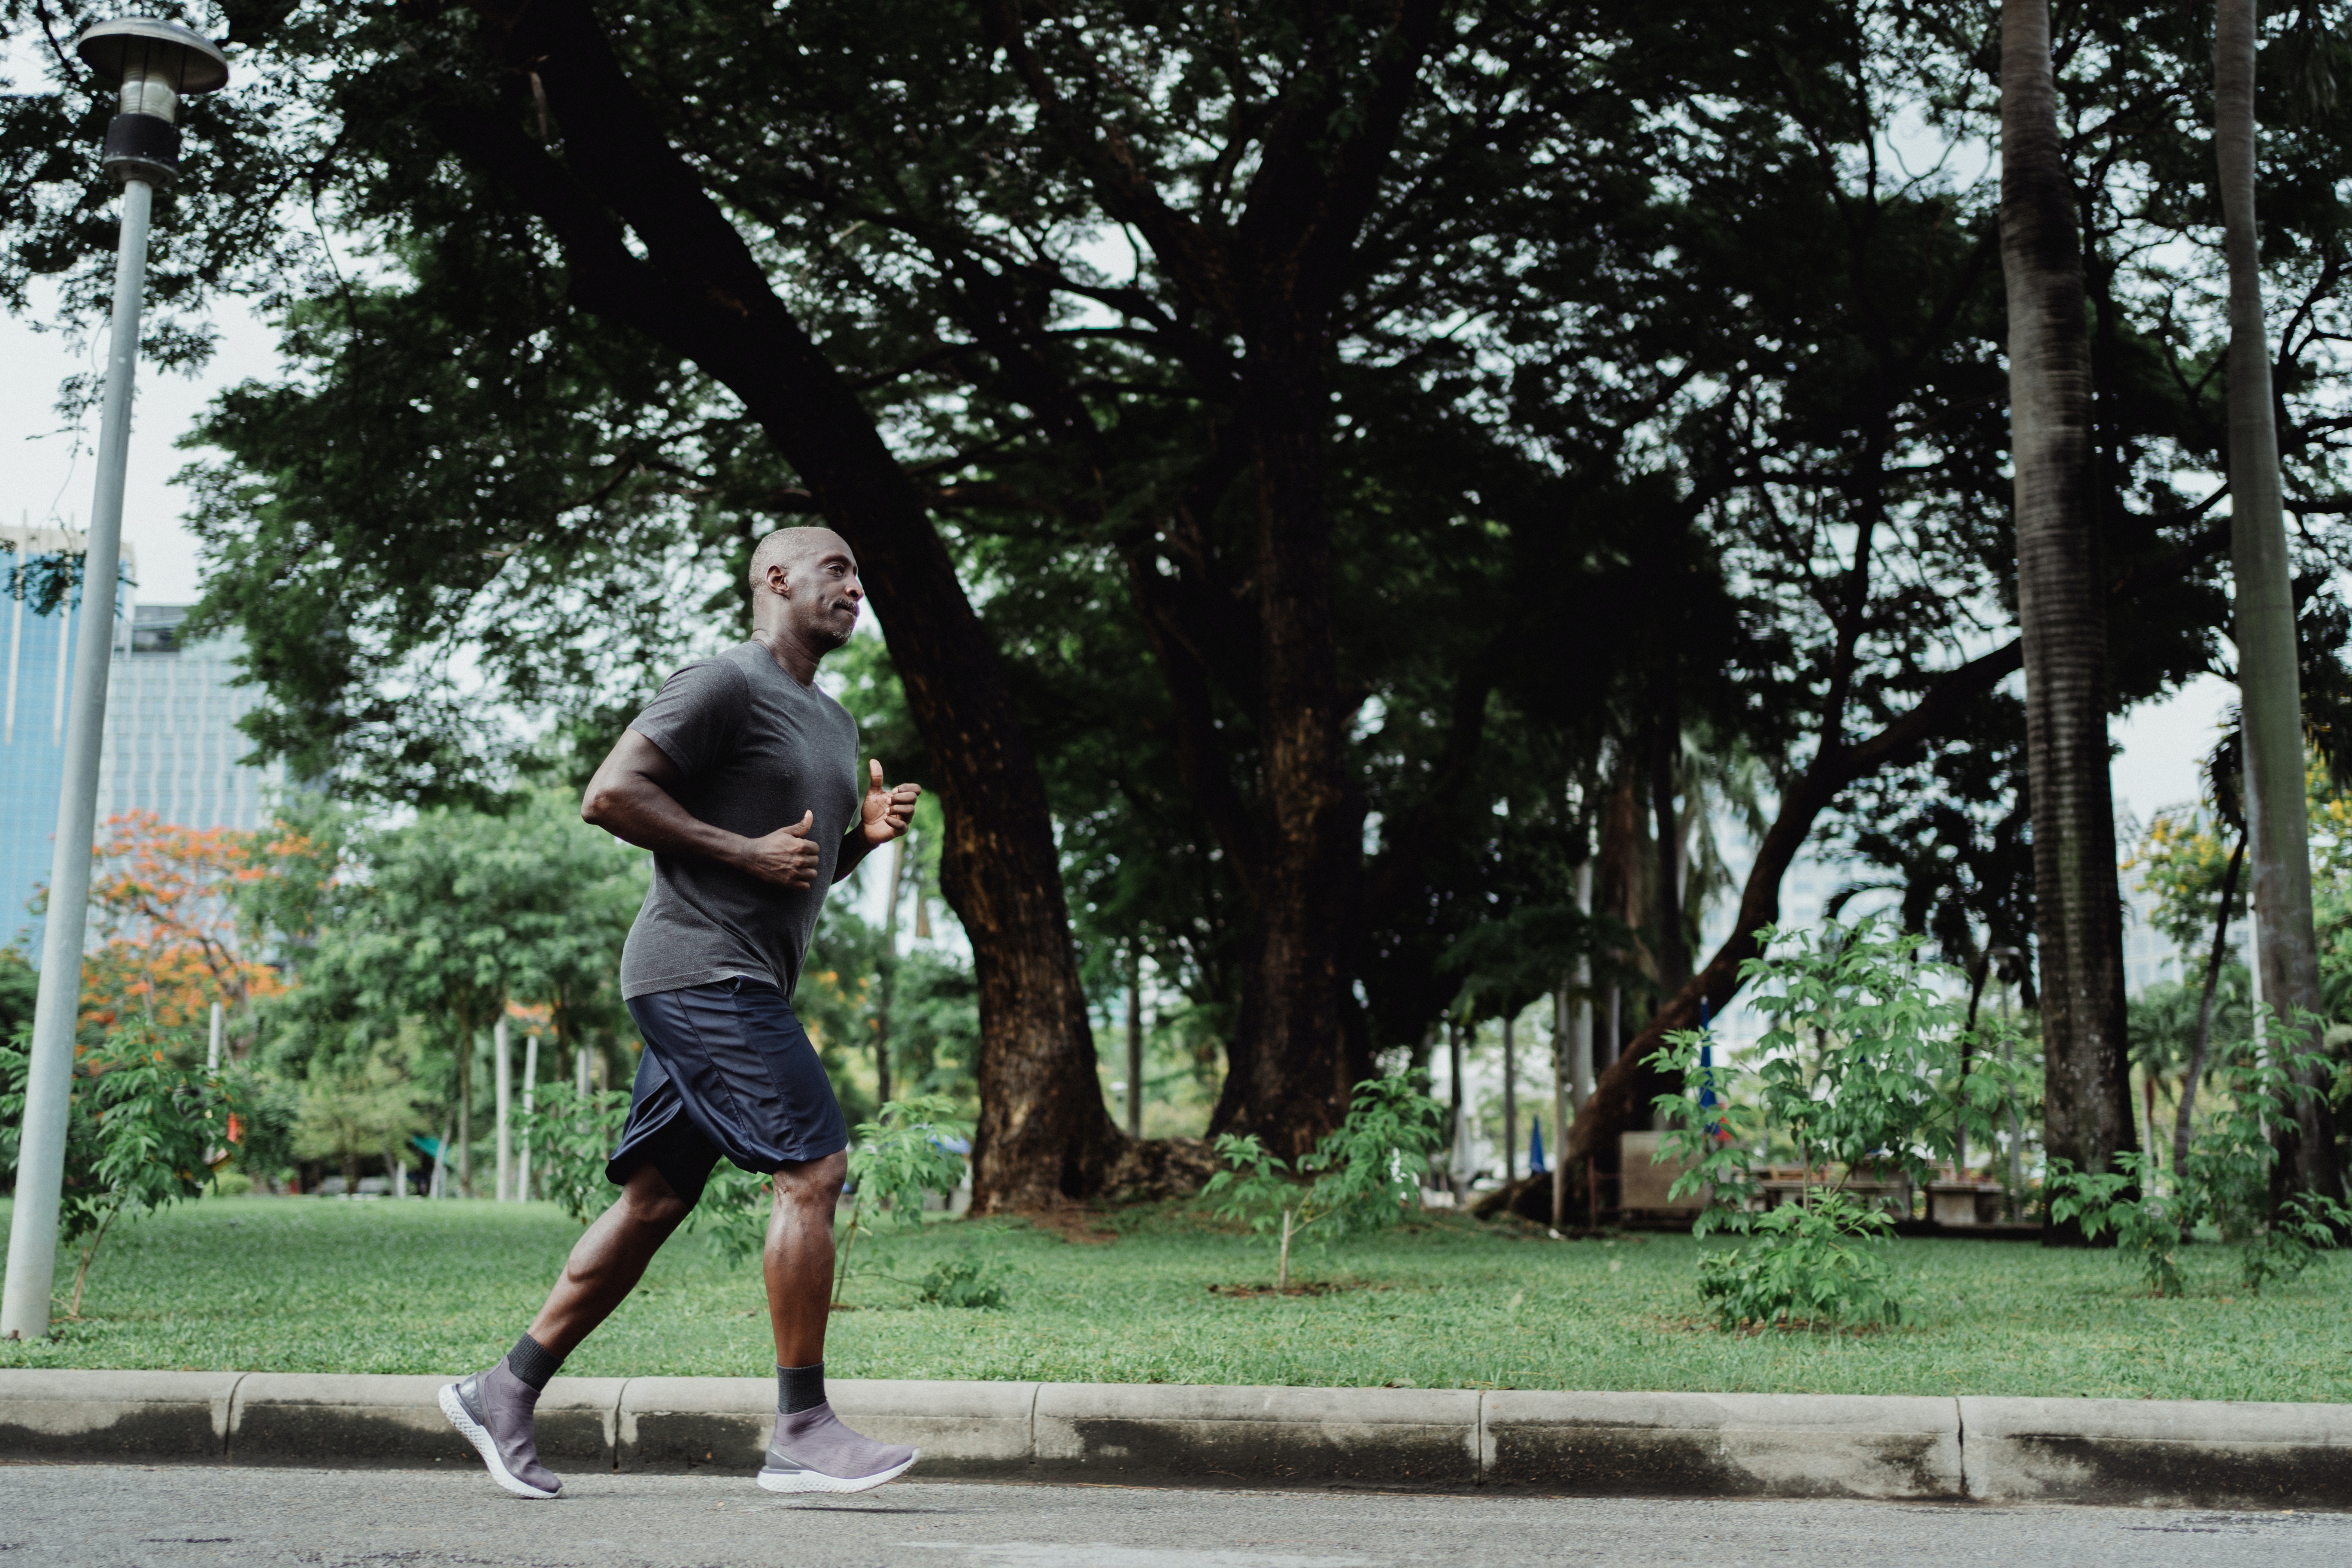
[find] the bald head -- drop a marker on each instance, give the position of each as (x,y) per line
(805,597)
(790,547)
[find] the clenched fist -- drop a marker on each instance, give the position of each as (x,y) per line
(788,856)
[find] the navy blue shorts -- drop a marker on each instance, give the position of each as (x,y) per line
(726,1071)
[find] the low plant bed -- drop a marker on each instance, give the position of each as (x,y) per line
(324,1285)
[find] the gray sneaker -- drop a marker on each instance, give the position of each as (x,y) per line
(494,1409)
(814,1452)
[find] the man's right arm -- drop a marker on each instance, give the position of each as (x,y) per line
(629,798)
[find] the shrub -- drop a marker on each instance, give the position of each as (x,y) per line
(1814,1263)
(904,1152)
(1861,1067)
(964,1282)
(571,1135)
(1365,1174)
(140,1132)
(2226,1182)
(2148,1227)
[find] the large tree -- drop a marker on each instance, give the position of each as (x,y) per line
(498,139)
(2286,949)
(2062,615)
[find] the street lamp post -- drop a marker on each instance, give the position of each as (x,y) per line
(154,65)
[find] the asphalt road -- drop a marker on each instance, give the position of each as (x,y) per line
(94,1515)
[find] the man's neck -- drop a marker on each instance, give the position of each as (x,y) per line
(794,656)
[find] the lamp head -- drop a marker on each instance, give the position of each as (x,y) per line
(157,60)
(153,65)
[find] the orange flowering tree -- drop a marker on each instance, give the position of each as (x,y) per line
(171,906)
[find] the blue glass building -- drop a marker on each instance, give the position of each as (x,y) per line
(172,741)
(38,672)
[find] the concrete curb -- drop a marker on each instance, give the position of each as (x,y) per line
(2154,1453)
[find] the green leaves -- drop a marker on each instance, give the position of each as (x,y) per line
(2148,1228)
(1365,1174)
(1864,1064)
(964,1282)
(141,1131)
(904,1152)
(571,1135)
(2225,1183)
(1864,1068)
(1814,1263)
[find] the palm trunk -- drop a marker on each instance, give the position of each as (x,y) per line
(2061,618)
(1563,1073)
(2196,1069)
(2286,951)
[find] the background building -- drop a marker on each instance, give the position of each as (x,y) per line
(172,746)
(172,741)
(38,672)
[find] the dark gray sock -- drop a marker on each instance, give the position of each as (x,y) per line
(533,1363)
(800,1388)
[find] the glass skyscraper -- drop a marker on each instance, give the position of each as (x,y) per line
(172,741)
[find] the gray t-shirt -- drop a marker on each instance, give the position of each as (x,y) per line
(756,749)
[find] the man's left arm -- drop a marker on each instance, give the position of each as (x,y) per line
(882,817)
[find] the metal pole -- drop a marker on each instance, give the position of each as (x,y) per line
(530,1079)
(41,1159)
(505,1058)
(213,1050)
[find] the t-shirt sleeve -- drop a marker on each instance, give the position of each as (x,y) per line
(693,718)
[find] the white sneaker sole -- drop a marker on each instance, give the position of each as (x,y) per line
(484,1444)
(811,1481)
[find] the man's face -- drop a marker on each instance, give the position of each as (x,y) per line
(822,592)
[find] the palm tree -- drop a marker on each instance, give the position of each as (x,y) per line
(2062,615)
(2286,953)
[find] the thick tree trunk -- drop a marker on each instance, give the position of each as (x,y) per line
(1314,833)
(2062,615)
(1272,280)
(2269,682)
(1043,1133)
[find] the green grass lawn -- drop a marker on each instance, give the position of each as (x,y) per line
(318,1285)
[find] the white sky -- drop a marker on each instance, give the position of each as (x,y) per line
(46,473)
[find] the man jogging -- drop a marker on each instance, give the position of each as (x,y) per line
(741,777)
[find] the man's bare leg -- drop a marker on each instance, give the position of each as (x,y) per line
(813,1451)
(608,1260)
(494,1409)
(798,1258)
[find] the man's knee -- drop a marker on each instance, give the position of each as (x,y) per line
(814,1183)
(649,1200)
